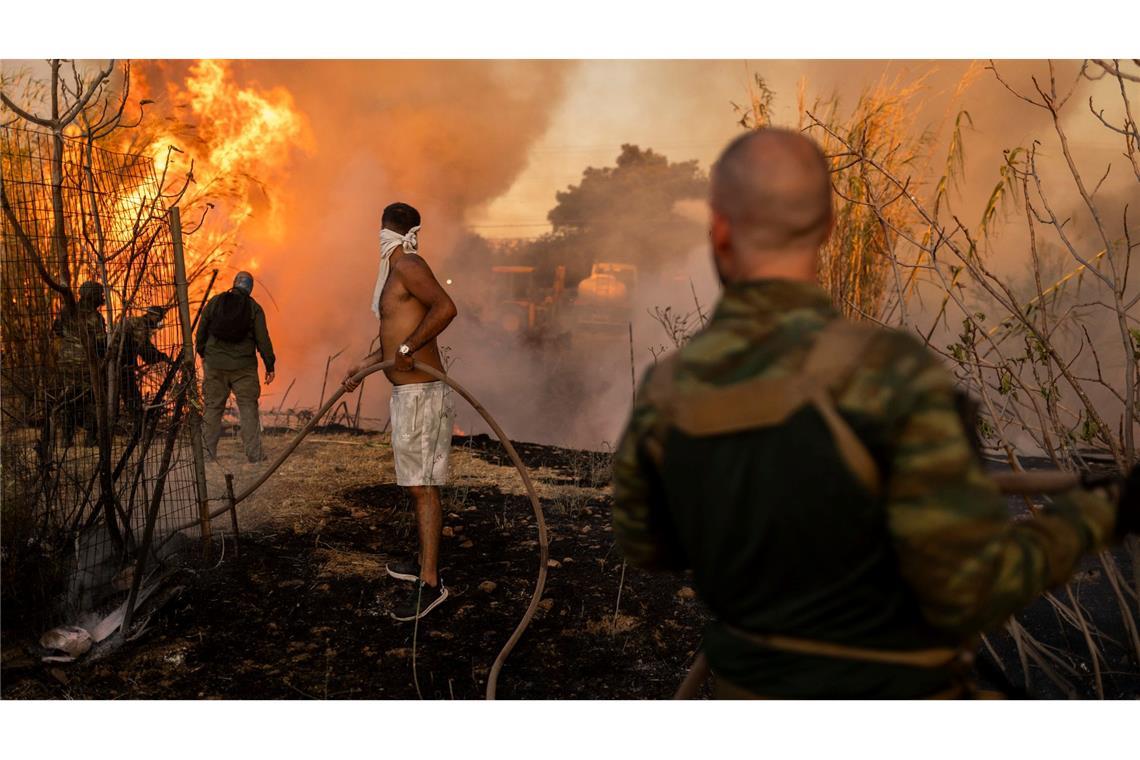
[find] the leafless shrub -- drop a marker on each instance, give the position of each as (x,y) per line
(1056,367)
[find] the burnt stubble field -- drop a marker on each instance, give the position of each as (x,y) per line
(302,612)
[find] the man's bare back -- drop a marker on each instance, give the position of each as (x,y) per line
(402,312)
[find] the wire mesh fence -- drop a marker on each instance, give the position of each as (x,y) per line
(94,395)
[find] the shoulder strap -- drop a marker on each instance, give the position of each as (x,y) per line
(832,360)
(769,401)
(838,348)
(659,391)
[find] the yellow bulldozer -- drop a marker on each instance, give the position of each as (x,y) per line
(524,308)
(601,309)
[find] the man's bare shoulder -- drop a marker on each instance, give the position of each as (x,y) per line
(412,264)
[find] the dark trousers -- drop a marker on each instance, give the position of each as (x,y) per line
(77,411)
(131,398)
(216,389)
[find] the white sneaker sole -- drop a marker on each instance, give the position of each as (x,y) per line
(400,576)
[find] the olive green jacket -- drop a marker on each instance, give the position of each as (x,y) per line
(223,355)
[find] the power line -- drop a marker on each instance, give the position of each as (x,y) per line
(515,224)
(593,148)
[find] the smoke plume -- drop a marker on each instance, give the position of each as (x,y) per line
(442,136)
(451,137)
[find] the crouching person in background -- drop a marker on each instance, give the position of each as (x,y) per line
(138,344)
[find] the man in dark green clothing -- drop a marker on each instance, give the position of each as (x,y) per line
(231,333)
(815,475)
(138,344)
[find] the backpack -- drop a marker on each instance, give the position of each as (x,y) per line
(232,320)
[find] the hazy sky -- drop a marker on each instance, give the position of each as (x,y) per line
(684,110)
(608,103)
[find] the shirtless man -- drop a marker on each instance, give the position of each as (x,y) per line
(413,309)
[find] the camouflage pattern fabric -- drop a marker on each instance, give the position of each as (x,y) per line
(69,333)
(75,398)
(139,344)
(952,545)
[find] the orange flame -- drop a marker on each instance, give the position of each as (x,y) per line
(239,143)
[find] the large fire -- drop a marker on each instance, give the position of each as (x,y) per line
(237,142)
(298,159)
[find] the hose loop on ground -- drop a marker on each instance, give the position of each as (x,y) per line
(540,518)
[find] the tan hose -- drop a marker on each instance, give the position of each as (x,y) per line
(1036,482)
(699,672)
(1011,483)
(540,518)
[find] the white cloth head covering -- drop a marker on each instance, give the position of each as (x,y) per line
(389,239)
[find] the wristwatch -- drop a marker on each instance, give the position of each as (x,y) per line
(404,350)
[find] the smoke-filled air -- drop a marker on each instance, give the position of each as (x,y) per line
(349,378)
(563,203)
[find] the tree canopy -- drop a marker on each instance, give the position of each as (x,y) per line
(625,213)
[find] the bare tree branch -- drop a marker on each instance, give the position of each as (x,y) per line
(24,114)
(1115,71)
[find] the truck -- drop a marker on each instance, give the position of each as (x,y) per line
(605,298)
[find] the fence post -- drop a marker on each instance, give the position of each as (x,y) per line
(233,512)
(191,380)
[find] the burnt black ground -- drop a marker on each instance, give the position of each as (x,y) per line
(270,625)
(1119,671)
(303,613)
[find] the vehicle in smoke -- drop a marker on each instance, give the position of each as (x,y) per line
(605,299)
(524,309)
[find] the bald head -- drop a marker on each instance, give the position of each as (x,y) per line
(772,189)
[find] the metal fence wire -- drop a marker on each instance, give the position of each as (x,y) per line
(94,394)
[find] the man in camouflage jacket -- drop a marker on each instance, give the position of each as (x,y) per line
(81,341)
(813,568)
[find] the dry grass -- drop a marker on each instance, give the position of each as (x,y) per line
(306,482)
(325,465)
(337,563)
(610,626)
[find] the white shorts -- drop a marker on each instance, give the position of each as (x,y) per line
(422,418)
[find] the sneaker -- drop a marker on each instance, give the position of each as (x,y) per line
(404,571)
(423,599)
